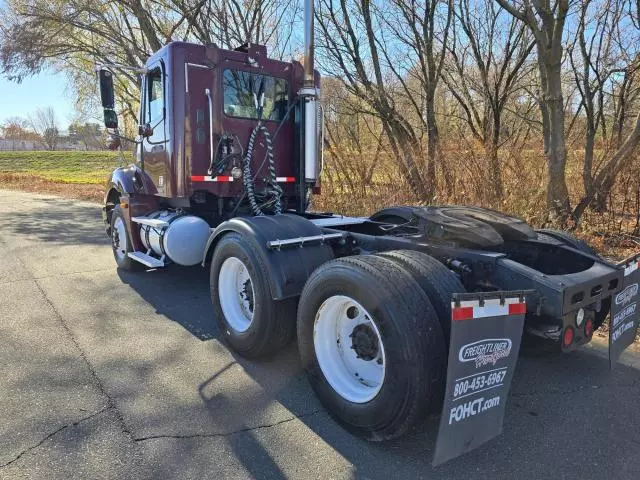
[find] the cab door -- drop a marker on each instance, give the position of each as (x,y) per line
(155,144)
(202,129)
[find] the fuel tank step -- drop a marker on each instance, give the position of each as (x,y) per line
(146,259)
(151,222)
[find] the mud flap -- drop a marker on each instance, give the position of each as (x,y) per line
(625,311)
(486,330)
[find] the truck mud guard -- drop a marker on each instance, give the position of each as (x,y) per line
(486,329)
(625,311)
(291,247)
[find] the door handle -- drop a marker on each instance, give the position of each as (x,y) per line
(207,92)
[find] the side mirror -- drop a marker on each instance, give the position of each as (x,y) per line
(110,118)
(107,95)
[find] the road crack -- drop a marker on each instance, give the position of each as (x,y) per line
(54,433)
(92,371)
(227,434)
(33,278)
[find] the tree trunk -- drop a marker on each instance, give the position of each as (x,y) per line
(590,139)
(407,153)
(495,171)
(555,149)
(432,147)
(601,199)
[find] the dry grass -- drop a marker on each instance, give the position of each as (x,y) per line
(71,174)
(63,166)
(613,233)
(33,183)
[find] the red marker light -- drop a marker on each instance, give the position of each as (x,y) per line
(567,337)
(588,328)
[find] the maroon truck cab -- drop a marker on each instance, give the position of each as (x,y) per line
(185,85)
(197,113)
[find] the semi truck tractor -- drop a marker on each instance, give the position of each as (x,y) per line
(228,155)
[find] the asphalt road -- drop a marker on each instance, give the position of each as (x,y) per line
(105,374)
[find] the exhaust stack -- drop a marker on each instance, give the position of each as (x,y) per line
(309,43)
(309,98)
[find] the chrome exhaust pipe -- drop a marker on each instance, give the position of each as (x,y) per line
(309,96)
(309,45)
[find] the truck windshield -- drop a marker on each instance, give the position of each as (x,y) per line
(239,88)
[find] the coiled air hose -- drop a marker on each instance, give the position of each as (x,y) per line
(273,189)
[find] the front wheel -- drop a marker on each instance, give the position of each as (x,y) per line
(372,345)
(120,243)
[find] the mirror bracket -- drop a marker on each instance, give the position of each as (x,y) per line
(145,130)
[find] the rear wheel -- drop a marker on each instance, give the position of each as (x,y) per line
(436,280)
(251,321)
(372,346)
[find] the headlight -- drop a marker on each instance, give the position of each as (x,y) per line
(580,317)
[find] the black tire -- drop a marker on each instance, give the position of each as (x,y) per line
(121,247)
(411,334)
(584,247)
(273,322)
(436,280)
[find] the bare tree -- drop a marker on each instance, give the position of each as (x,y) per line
(45,124)
(17,128)
(74,35)
(546,20)
(230,23)
(606,67)
(486,63)
(390,56)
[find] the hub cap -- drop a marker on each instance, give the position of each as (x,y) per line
(235,290)
(119,238)
(349,349)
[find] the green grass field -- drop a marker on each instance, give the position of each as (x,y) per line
(66,167)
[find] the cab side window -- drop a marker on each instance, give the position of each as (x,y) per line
(155,97)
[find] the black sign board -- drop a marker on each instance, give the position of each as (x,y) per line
(485,341)
(625,311)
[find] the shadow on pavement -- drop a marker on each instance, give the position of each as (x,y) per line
(559,419)
(179,293)
(58,221)
(568,416)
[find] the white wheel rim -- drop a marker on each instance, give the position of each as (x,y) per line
(119,238)
(235,290)
(357,380)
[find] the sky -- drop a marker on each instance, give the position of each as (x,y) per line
(48,89)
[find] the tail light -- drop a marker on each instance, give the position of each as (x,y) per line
(588,328)
(567,337)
